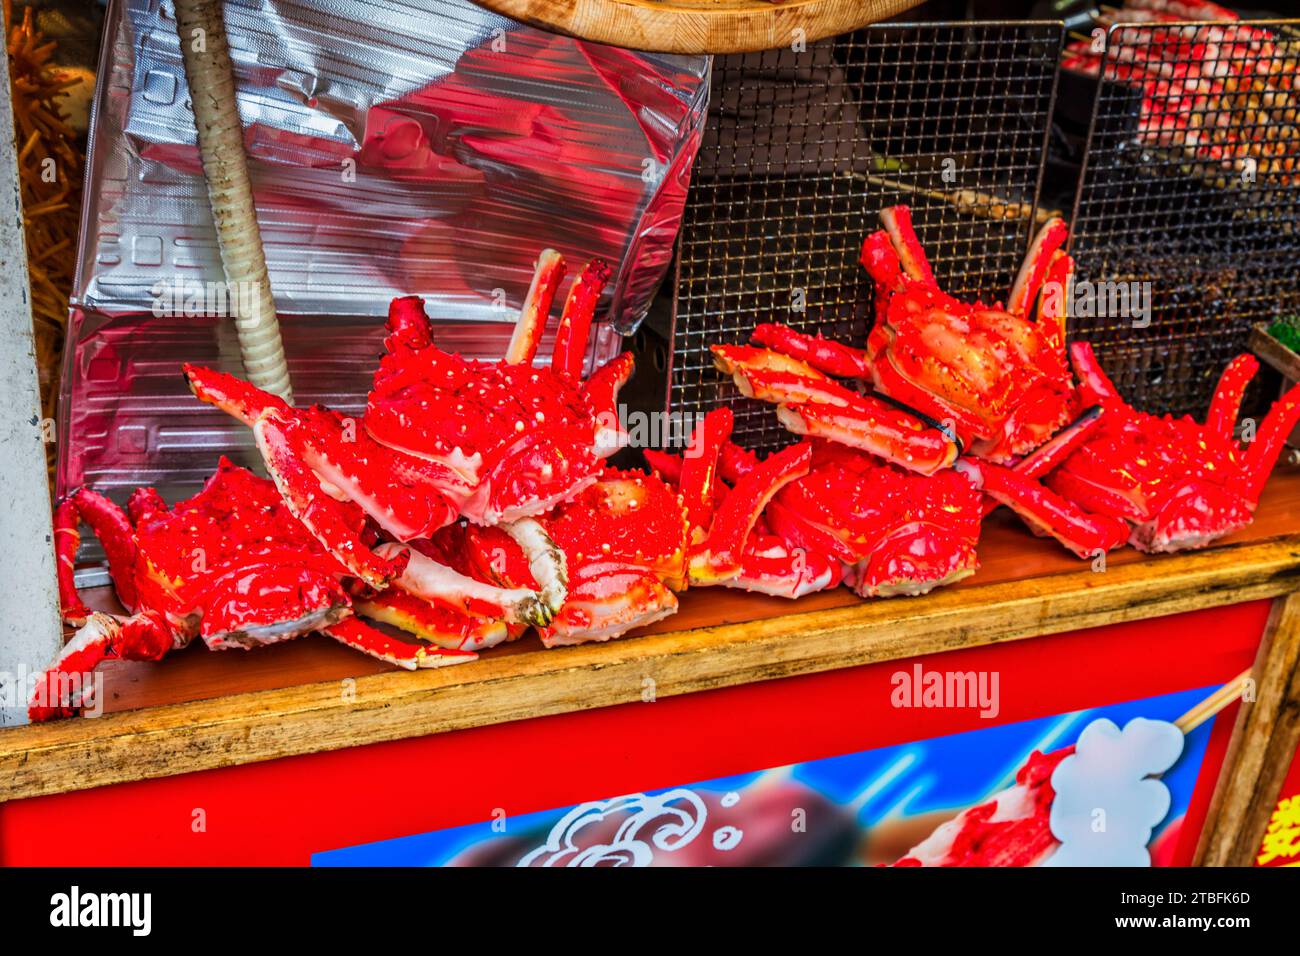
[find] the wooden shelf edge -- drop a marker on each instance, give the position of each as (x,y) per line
(683,26)
(201,735)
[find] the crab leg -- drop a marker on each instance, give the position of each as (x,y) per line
(898,224)
(370,640)
(825,355)
(537,307)
(699,470)
(113,529)
(434,621)
(1029,280)
(719,556)
(546,562)
(1054,304)
(1094,384)
(1279,423)
(570,351)
(873,426)
(1061,446)
(601,392)
(336,524)
(810,403)
(426,578)
(1226,404)
(1046,512)
(232,395)
(66,686)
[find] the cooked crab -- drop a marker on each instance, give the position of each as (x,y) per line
(633,539)
(230,565)
(895,532)
(445,437)
(990,380)
(1180,484)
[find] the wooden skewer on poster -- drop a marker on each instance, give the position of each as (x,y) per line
(1216,702)
(201,27)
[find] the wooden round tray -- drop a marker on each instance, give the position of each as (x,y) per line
(700,26)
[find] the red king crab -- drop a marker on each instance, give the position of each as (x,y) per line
(445,437)
(985,379)
(1017,487)
(1178,483)
(231,565)
(631,540)
(895,532)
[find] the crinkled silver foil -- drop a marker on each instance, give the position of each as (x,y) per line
(421,147)
(425,147)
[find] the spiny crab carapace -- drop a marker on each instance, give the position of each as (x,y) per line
(230,565)
(983,379)
(1178,483)
(445,437)
(633,539)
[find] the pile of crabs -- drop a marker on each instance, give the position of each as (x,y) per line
(473,501)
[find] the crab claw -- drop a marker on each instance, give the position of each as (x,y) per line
(68,685)
(825,355)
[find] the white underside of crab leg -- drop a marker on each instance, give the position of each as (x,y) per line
(545,560)
(427,579)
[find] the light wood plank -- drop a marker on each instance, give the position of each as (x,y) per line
(1263,745)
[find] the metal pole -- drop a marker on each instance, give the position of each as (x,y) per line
(30,634)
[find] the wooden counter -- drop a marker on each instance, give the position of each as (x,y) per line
(200,709)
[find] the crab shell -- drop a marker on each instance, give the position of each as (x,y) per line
(524,438)
(1180,484)
(897,533)
(992,375)
(231,565)
(624,542)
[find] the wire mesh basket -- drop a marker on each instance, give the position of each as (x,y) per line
(1190,190)
(805,147)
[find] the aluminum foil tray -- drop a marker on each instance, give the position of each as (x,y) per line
(424,146)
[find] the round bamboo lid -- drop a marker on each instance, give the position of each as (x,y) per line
(700,26)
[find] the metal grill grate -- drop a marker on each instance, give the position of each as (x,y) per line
(1190,185)
(803,150)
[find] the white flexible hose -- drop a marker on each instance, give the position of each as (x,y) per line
(202,30)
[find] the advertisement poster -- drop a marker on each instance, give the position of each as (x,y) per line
(857,809)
